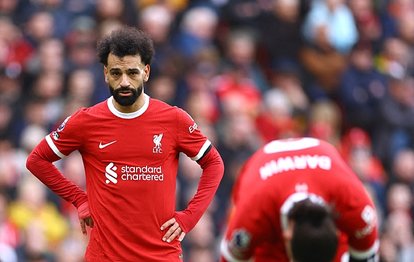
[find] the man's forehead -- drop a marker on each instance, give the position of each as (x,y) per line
(130,61)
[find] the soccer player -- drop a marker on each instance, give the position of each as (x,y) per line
(130,145)
(297,200)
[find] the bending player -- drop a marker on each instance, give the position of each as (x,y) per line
(297,200)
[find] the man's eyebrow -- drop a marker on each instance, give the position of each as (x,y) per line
(133,70)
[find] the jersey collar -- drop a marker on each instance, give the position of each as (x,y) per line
(128,115)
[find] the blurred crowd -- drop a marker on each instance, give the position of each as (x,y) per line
(248,71)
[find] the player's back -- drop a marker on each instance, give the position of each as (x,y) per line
(285,171)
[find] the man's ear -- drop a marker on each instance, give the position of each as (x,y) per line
(147,70)
(106,74)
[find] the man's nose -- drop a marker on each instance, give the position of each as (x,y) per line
(125,80)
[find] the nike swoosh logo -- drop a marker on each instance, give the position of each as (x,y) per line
(101,146)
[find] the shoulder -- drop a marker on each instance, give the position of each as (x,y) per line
(162,108)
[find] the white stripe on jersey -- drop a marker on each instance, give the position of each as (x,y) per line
(53,147)
(202,150)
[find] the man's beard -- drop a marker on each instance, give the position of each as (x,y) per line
(125,100)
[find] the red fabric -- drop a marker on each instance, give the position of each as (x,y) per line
(131,163)
(286,171)
(83,211)
(213,169)
(40,163)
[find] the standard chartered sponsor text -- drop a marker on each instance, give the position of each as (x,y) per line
(142,173)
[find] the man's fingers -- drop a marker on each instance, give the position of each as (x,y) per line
(89,221)
(86,222)
(83,227)
(182,235)
(168,223)
(172,232)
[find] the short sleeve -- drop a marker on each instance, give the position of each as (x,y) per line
(191,141)
(68,136)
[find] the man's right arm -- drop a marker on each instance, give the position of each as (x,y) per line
(40,164)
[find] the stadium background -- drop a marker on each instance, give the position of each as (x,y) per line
(247,71)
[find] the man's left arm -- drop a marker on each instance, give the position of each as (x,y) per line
(183,221)
(213,171)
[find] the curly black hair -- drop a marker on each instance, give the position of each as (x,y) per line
(126,41)
(314,234)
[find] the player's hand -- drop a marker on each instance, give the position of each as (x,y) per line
(84,216)
(174,231)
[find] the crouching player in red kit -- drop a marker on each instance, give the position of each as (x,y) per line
(297,200)
(130,146)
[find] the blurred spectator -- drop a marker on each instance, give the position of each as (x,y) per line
(196,31)
(32,205)
(325,122)
(7,253)
(330,24)
(49,87)
(275,119)
(243,13)
(240,55)
(402,167)
(49,57)
(287,77)
(80,43)
(15,51)
(157,21)
(361,89)
(9,234)
(395,127)
(39,26)
(356,149)
(80,87)
(399,238)
(35,247)
(394,58)
(280,31)
(121,10)
(10,170)
(367,22)
(392,11)
(164,88)
(330,32)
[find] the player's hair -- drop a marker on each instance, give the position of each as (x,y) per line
(126,41)
(314,232)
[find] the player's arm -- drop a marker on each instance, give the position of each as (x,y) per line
(194,144)
(213,170)
(358,219)
(252,224)
(40,164)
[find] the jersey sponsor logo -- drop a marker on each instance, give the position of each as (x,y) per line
(110,174)
(102,146)
(157,142)
(290,163)
(369,217)
(133,173)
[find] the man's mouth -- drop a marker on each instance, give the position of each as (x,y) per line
(125,93)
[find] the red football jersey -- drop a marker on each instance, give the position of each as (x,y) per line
(282,173)
(131,163)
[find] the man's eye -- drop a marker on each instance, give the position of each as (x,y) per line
(115,74)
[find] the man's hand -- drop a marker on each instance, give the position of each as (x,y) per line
(85,218)
(174,230)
